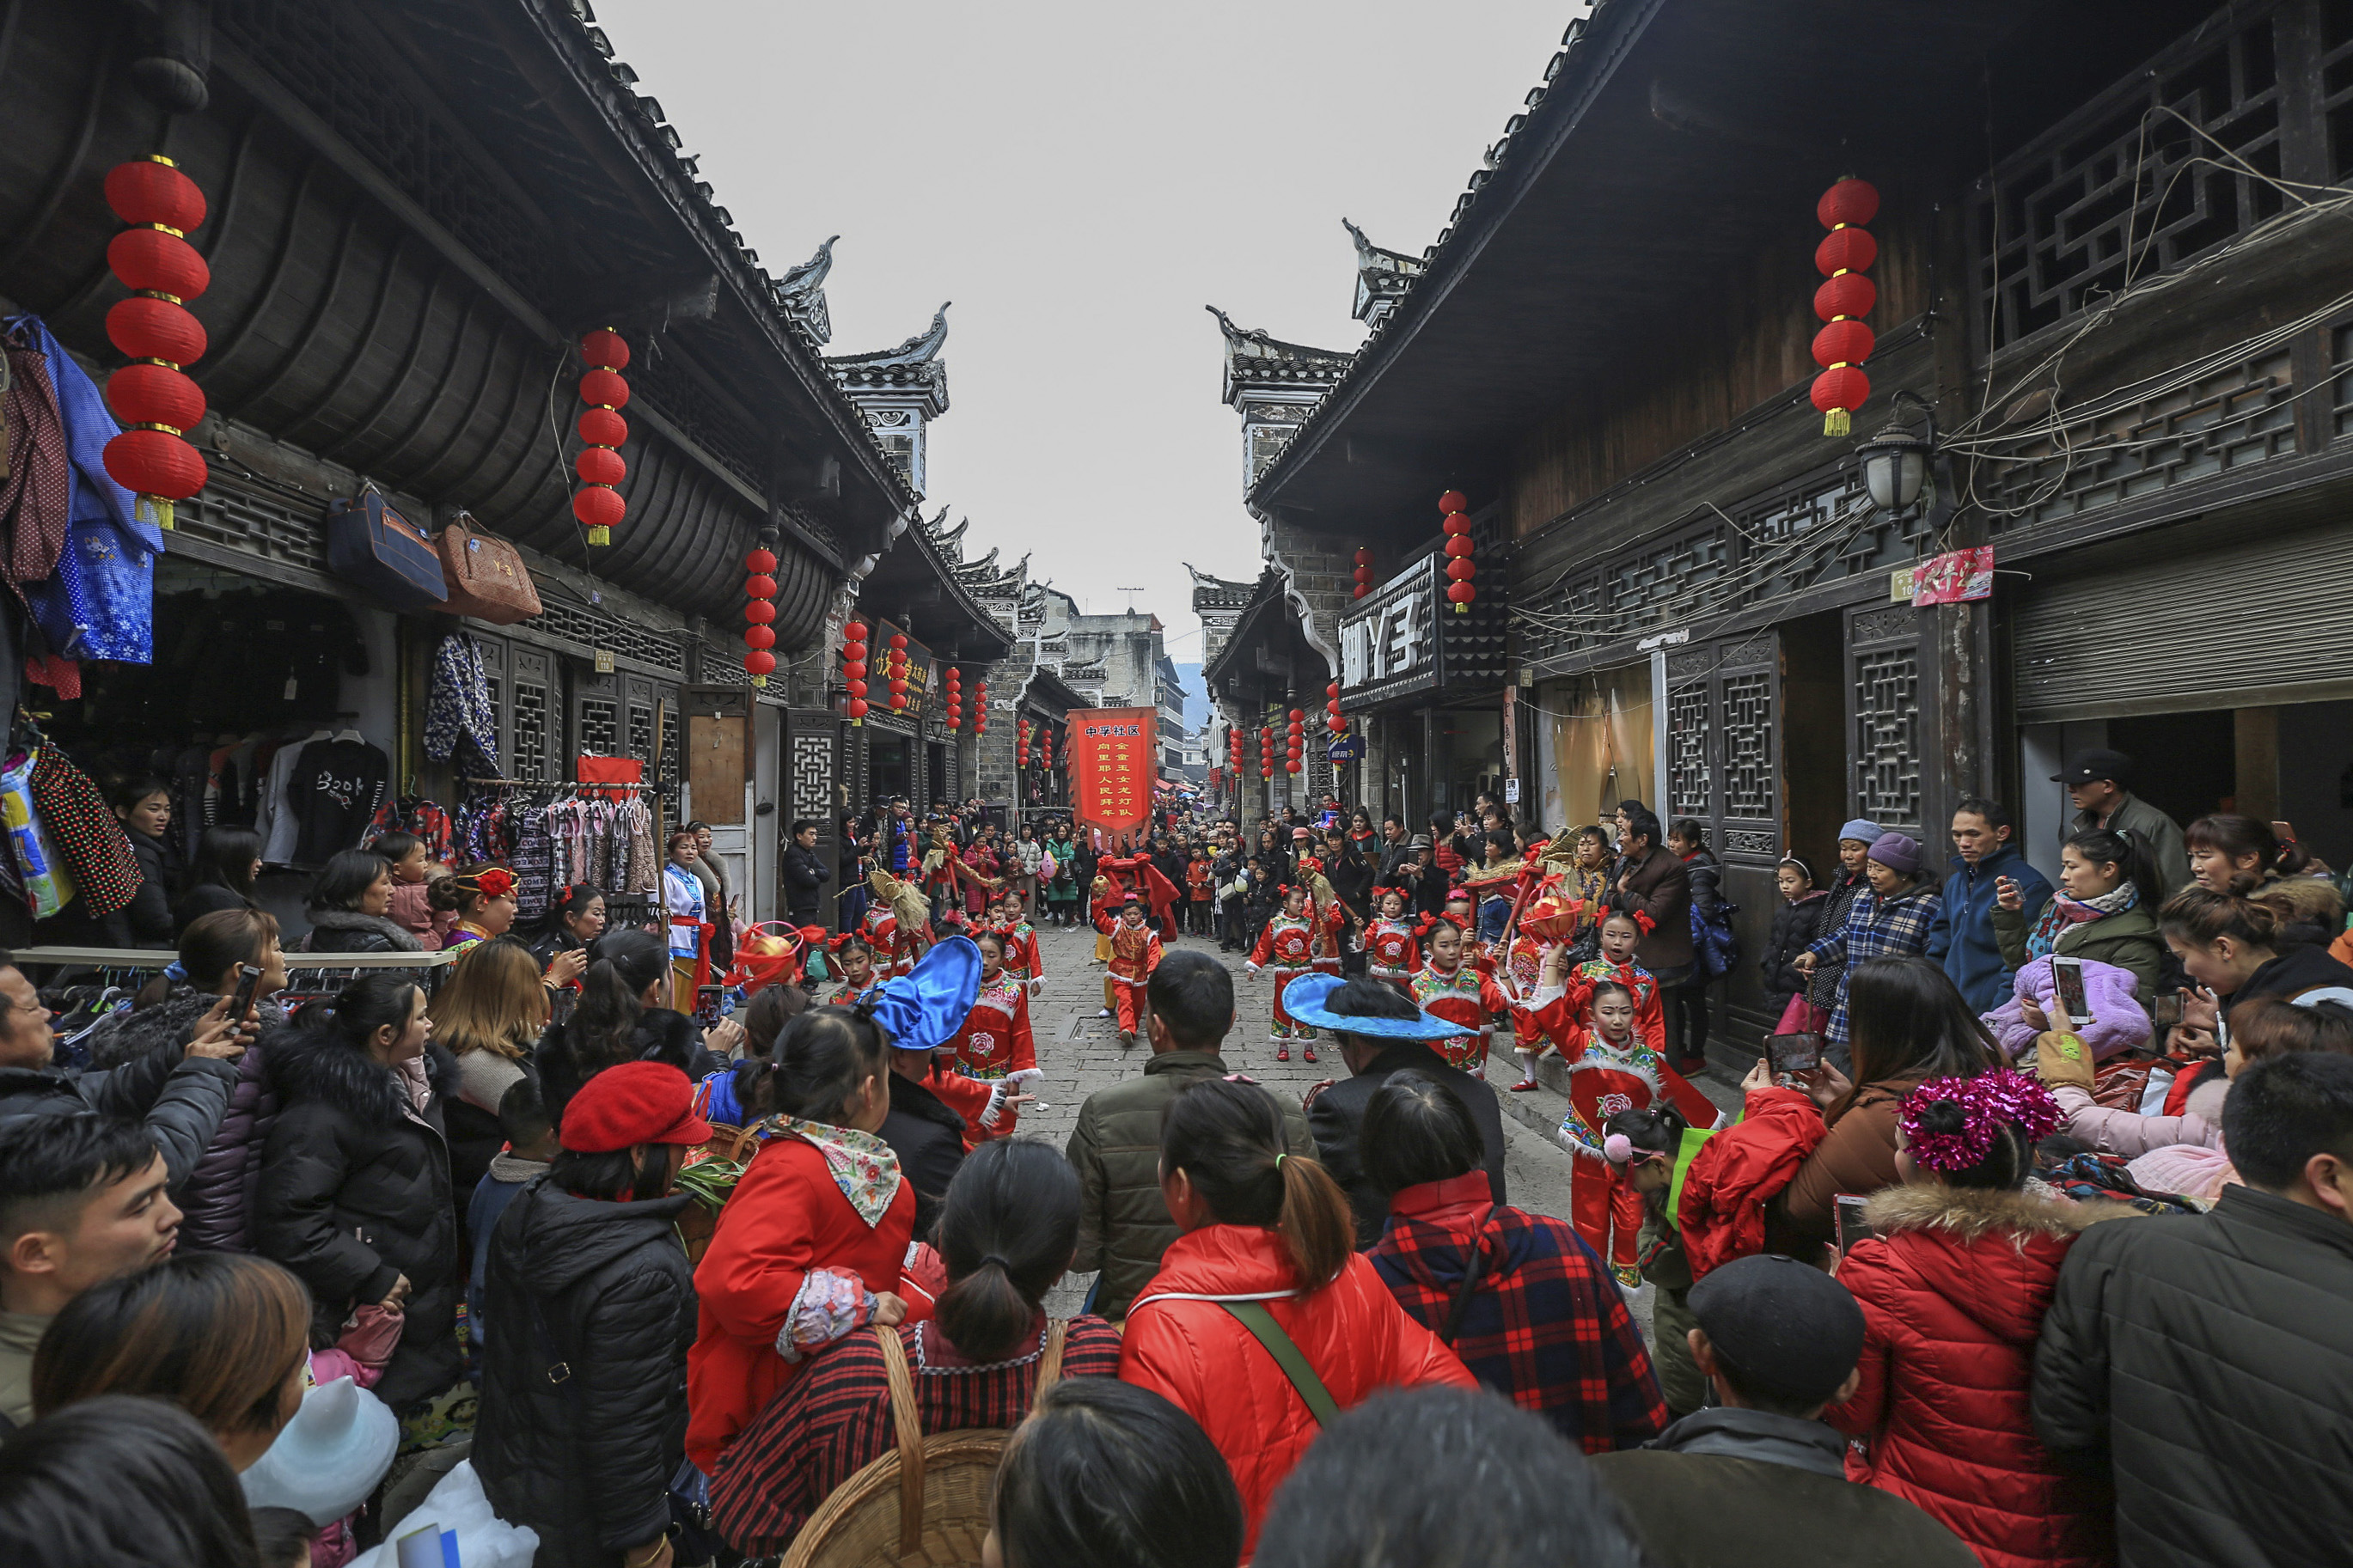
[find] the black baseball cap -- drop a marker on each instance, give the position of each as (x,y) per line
(2088,767)
(1790,1330)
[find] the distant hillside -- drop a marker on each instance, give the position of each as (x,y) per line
(1197,695)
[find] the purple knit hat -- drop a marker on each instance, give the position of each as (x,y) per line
(1897,852)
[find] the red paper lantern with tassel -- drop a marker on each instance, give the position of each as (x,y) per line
(759,588)
(1843,257)
(152,459)
(1460,567)
(896,669)
(1296,748)
(980,706)
(954,682)
(1266,751)
(600,466)
(1332,721)
(1363,573)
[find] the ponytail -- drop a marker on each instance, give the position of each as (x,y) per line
(1227,1139)
(2127,851)
(604,1026)
(1006,1231)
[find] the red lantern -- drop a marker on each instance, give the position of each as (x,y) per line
(980,708)
(1851,201)
(759,610)
(1458,550)
(603,429)
(955,697)
(1842,346)
(147,393)
(152,191)
(1459,545)
(1452,501)
(762,561)
(154,260)
(853,667)
(759,636)
(1363,573)
(145,327)
(600,509)
(759,586)
(1461,593)
(153,464)
(761,664)
(600,466)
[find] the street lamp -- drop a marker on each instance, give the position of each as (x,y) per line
(1895,461)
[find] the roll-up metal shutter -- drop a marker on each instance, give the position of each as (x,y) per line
(2263,620)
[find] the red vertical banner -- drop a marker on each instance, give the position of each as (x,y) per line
(1112,772)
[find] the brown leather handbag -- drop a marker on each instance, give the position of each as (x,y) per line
(487,578)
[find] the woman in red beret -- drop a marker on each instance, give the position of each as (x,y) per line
(587,1311)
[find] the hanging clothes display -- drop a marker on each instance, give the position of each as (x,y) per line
(40,870)
(460,727)
(332,794)
(413,814)
(584,834)
(99,602)
(89,841)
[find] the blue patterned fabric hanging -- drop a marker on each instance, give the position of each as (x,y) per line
(459,722)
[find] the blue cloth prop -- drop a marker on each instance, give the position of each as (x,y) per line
(1304,999)
(922,1009)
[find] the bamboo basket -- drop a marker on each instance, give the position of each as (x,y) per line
(925,1504)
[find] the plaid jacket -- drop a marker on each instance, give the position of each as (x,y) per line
(1545,1326)
(835,1419)
(1877,928)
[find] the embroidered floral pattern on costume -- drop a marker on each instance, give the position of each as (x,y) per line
(831,1302)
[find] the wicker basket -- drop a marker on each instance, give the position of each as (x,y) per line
(926,1503)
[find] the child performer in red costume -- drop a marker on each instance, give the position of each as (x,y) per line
(1287,945)
(1135,954)
(1392,952)
(855,960)
(994,1041)
(1021,959)
(895,943)
(1446,987)
(1612,1068)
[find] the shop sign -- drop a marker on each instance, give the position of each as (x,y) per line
(1956,577)
(1388,641)
(921,668)
(603,660)
(1347,748)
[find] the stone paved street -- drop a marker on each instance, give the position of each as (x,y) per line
(1080,1053)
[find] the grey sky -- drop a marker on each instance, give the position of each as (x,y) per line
(1079,179)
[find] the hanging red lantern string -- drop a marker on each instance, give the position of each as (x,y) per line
(1843,257)
(759,612)
(853,668)
(1295,751)
(980,706)
(955,698)
(1266,751)
(895,672)
(1332,719)
(1363,573)
(599,465)
(1021,742)
(153,395)
(1460,567)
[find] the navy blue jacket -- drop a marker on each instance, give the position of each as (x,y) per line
(1962,940)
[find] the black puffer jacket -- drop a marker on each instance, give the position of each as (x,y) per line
(355,1192)
(217,1199)
(663,1034)
(928,1138)
(180,1100)
(2205,1361)
(1795,927)
(604,1290)
(149,912)
(348,930)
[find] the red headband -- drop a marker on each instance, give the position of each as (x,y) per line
(497,882)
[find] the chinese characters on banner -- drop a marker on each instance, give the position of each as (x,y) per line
(1955,577)
(1112,771)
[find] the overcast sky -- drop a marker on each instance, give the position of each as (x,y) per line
(1080,179)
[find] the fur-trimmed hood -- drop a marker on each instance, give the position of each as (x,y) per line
(315,1064)
(137,1032)
(401,939)
(1969,1214)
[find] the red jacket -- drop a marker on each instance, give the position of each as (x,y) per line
(1201,1357)
(1740,1169)
(785,1217)
(1953,1292)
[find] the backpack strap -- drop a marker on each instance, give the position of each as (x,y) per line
(1253,1316)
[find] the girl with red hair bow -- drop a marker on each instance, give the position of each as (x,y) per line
(1392,951)
(1287,946)
(1447,987)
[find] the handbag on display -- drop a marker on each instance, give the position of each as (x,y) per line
(487,578)
(376,548)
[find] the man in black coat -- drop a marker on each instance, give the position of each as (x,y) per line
(1380,1032)
(805,874)
(2205,1361)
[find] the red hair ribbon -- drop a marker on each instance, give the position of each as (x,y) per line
(497,882)
(1642,918)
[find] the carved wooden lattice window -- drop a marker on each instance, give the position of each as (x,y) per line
(1688,780)
(2243,415)
(2125,189)
(1887,736)
(1746,707)
(641,733)
(1681,573)
(533,744)
(599,726)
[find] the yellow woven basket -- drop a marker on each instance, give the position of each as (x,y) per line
(926,1503)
